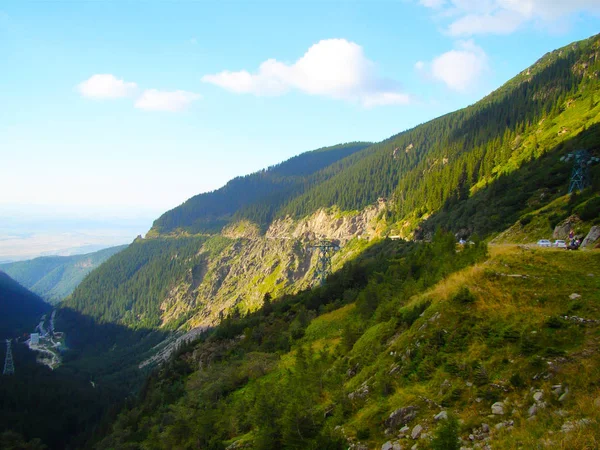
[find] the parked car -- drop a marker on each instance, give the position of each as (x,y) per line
(544,243)
(559,243)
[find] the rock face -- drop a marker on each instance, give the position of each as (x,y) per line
(561,231)
(401,416)
(591,237)
(327,224)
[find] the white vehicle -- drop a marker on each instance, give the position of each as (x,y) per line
(560,243)
(544,243)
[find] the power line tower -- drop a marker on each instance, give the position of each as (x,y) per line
(9,366)
(326,249)
(580,176)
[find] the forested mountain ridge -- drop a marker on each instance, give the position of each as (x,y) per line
(256,196)
(55,277)
(422,169)
(21,308)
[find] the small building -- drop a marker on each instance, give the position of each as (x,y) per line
(34,339)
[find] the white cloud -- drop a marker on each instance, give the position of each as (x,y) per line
(334,68)
(471,17)
(155,100)
(460,69)
(101,86)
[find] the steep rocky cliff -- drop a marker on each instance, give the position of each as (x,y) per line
(251,265)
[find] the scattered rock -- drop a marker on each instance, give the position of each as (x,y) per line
(401,416)
(538,395)
(485,428)
(571,425)
(532,411)
(579,320)
(416,432)
(361,392)
(574,296)
(389,445)
(557,389)
(441,416)
(564,396)
(498,408)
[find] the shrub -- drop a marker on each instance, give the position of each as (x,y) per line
(464,296)
(526,219)
(446,435)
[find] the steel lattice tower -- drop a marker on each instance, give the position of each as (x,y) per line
(580,176)
(326,249)
(9,366)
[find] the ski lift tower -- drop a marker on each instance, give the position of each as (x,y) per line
(9,366)
(580,176)
(326,249)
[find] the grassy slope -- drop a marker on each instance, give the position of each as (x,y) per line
(500,344)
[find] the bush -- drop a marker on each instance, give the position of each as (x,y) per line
(590,210)
(464,296)
(526,219)
(363,434)
(446,435)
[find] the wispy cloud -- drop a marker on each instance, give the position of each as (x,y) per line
(334,68)
(460,69)
(471,17)
(155,100)
(101,86)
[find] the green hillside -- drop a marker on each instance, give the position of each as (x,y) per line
(55,277)
(505,348)
(21,309)
(257,196)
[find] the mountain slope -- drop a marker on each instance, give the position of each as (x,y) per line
(476,170)
(504,346)
(55,277)
(256,196)
(21,309)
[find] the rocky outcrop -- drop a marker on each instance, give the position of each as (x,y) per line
(401,416)
(248,265)
(592,237)
(561,231)
(329,224)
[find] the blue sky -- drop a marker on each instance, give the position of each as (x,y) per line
(128,108)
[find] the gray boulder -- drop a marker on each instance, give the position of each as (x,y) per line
(441,416)
(592,236)
(498,408)
(416,432)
